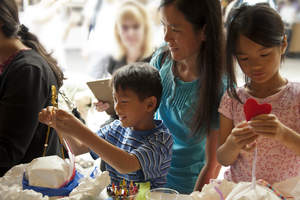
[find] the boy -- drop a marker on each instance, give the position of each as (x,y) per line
(136,147)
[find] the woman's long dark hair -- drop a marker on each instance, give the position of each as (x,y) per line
(210,62)
(9,19)
(261,24)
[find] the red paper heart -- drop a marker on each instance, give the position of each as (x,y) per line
(252,108)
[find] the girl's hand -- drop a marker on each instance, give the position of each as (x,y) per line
(268,125)
(101,106)
(242,137)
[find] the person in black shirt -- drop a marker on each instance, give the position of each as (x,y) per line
(27,73)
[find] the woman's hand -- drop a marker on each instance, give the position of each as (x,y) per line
(268,125)
(242,137)
(101,106)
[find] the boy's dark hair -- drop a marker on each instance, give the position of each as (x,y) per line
(261,24)
(139,77)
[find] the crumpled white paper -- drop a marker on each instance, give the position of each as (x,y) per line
(88,188)
(245,191)
(15,192)
(233,191)
(209,190)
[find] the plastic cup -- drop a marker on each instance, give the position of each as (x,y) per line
(162,194)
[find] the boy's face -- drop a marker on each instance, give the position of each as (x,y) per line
(132,111)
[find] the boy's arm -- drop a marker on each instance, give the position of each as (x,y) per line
(211,168)
(119,159)
(69,126)
(77,147)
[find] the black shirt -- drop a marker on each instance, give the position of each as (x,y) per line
(25,89)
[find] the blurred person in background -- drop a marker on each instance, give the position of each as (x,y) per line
(47,19)
(288,11)
(99,17)
(132,31)
(27,73)
(99,21)
(238,3)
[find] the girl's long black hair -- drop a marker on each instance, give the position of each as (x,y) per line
(261,24)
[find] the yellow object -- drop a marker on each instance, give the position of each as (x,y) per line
(54,104)
(54,96)
(143,189)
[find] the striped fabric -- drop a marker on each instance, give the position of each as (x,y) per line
(153,149)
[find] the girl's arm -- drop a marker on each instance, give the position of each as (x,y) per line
(232,140)
(268,125)
(68,125)
(292,140)
(211,168)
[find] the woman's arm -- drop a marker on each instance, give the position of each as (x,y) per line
(211,168)
(77,147)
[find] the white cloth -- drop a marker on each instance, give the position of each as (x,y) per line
(88,188)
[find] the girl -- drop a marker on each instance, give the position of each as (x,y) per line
(256,40)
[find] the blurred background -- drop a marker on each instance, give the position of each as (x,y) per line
(79,33)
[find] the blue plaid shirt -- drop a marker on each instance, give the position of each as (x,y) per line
(153,149)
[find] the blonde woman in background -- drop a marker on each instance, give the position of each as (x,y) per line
(132,31)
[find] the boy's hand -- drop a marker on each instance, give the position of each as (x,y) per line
(242,137)
(268,125)
(60,120)
(101,106)
(46,116)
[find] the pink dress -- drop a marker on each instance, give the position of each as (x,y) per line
(275,162)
